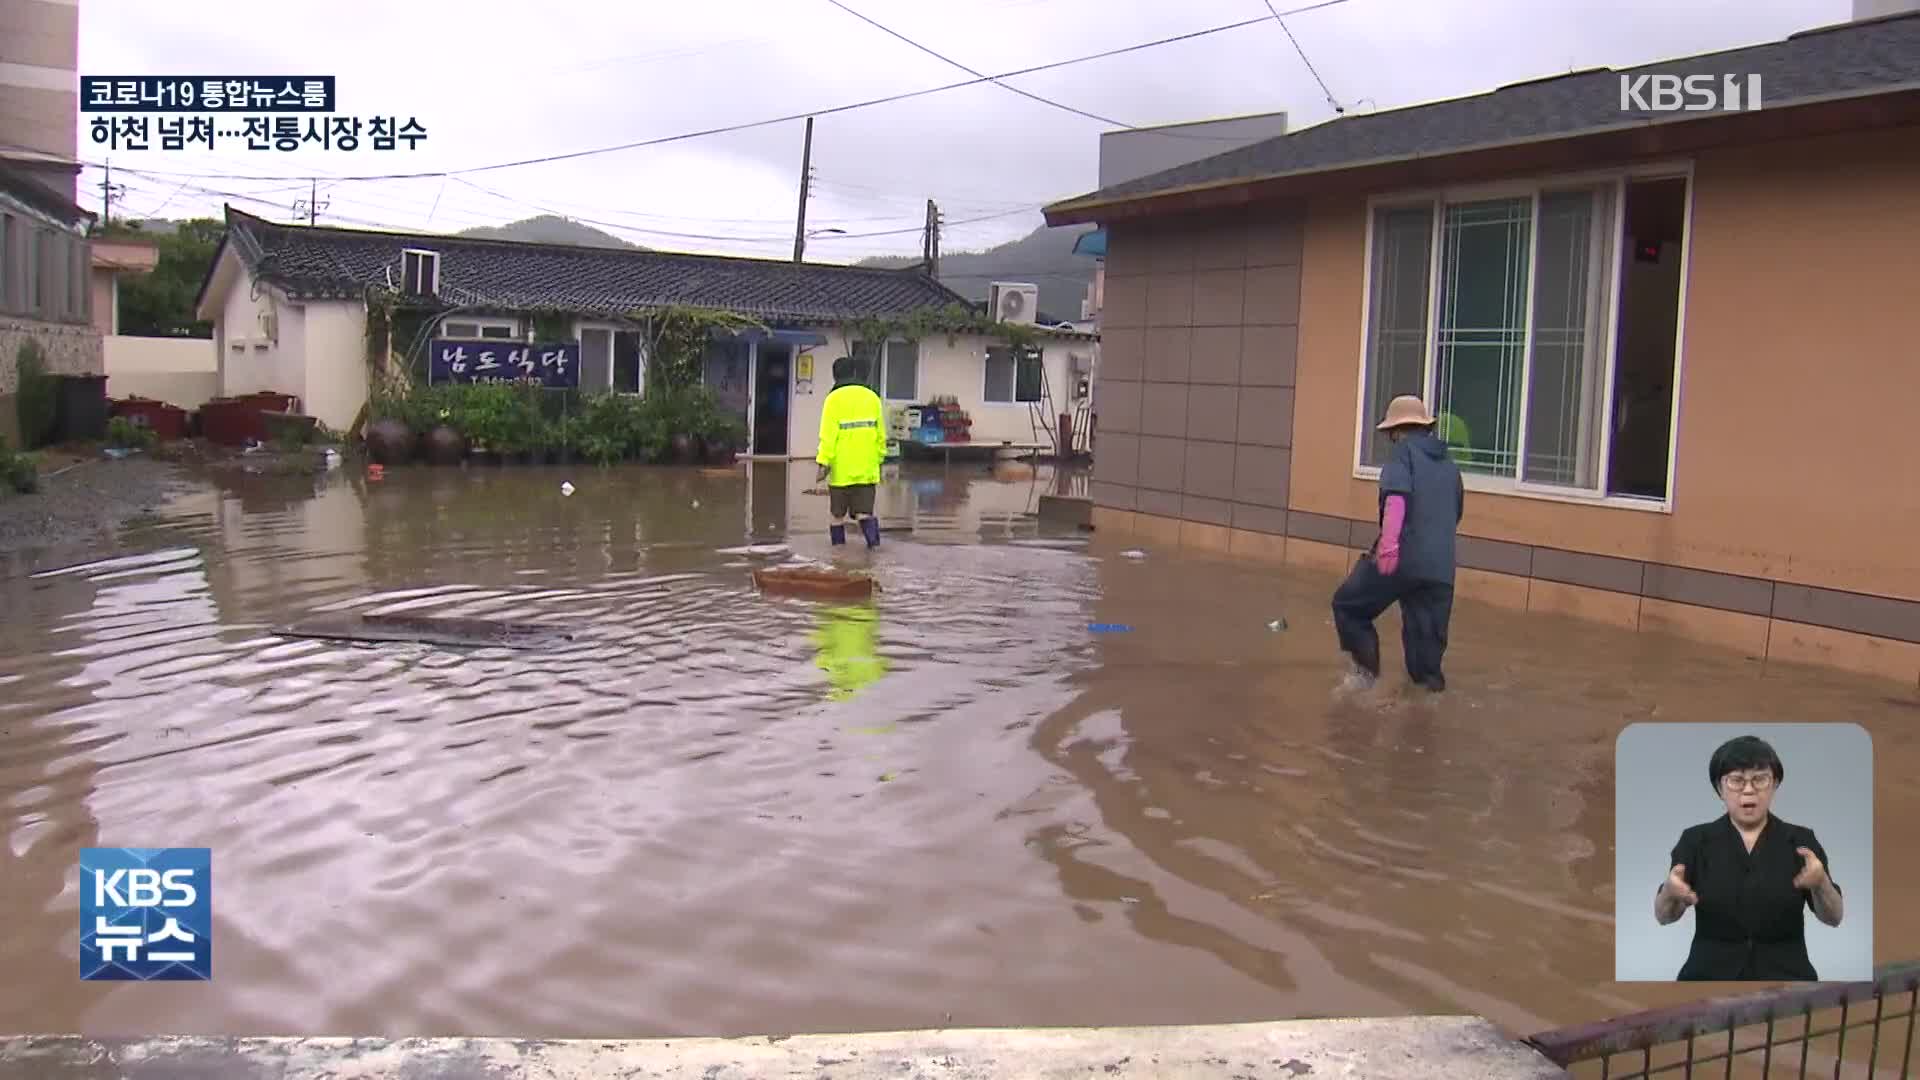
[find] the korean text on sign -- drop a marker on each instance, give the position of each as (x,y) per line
(462,361)
(207,94)
(284,133)
(146,914)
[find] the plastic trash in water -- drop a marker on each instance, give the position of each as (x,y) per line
(1134,553)
(566,487)
(1108,628)
(118,452)
(696,504)
(332,457)
(1277,625)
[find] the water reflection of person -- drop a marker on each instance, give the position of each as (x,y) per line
(1748,874)
(846,639)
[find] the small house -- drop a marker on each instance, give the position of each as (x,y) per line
(289,304)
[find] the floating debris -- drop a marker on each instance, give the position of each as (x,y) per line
(427,630)
(1277,625)
(1109,628)
(816,582)
(566,487)
(1133,553)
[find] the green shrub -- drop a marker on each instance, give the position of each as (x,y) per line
(604,427)
(123,433)
(18,471)
(38,396)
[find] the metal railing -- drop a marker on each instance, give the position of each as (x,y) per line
(1870,1024)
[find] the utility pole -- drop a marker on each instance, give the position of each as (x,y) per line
(108,192)
(933,239)
(312,203)
(806,177)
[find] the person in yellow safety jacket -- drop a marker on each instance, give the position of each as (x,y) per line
(846,639)
(853,444)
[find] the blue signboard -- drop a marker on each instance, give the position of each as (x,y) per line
(461,360)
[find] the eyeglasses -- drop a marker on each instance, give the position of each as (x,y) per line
(1757,781)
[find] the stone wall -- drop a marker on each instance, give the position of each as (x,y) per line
(69,350)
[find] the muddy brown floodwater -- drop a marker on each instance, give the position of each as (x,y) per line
(718,813)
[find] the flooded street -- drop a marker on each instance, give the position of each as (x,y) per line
(717,813)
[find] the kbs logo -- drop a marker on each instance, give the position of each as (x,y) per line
(1691,93)
(146,913)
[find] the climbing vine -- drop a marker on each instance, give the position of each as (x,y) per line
(950,321)
(677,337)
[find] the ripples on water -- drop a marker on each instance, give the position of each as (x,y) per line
(716,812)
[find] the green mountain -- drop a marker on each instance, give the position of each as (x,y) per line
(1043,257)
(548,229)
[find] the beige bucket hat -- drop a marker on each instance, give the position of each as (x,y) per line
(1406,411)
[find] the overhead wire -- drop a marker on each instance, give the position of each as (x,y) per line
(951,62)
(748,125)
(1311,70)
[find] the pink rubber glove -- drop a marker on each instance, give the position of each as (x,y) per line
(1387,555)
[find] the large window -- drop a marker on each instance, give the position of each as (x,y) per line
(1535,321)
(893,373)
(1014,376)
(610,359)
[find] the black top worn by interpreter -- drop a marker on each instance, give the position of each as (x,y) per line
(1748,924)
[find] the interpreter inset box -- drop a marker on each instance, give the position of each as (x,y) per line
(1743,853)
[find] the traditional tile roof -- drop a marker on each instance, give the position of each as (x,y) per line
(318,262)
(1851,59)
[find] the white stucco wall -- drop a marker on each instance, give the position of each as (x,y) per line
(335,351)
(251,361)
(958,369)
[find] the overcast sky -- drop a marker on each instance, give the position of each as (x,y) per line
(493,81)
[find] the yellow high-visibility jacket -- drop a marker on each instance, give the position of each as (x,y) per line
(853,436)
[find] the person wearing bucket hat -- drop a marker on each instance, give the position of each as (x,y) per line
(1412,562)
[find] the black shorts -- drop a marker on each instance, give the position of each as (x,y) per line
(854,500)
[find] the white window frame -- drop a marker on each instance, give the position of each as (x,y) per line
(880,369)
(579,336)
(886,368)
(481,326)
(432,261)
(1014,402)
(1439,198)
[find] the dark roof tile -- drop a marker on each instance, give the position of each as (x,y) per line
(311,262)
(1851,58)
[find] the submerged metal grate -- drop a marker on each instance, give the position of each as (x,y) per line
(1776,1032)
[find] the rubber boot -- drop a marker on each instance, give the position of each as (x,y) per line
(838,533)
(870,528)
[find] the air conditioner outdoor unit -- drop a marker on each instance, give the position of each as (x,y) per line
(1013,302)
(419,272)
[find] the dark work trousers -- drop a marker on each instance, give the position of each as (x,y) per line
(1425,609)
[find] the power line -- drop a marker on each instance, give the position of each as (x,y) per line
(730,128)
(1337,107)
(950,61)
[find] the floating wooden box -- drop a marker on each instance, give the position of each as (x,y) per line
(814,583)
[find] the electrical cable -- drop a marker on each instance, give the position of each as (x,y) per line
(1331,100)
(747,125)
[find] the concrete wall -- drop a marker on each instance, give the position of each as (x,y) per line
(1131,154)
(334,349)
(958,369)
(39,83)
(1796,339)
(69,349)
(1868,9)
(178,371)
